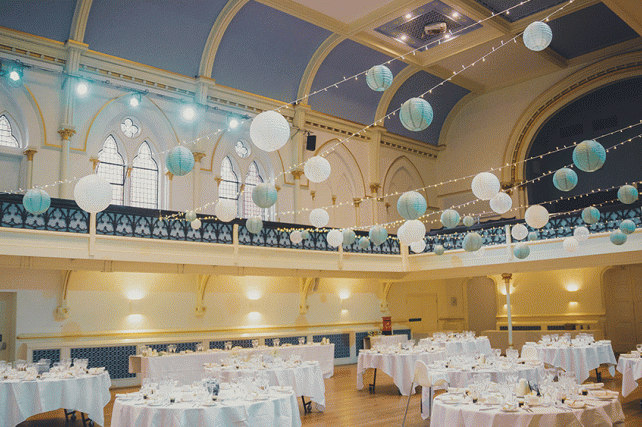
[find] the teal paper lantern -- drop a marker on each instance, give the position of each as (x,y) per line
(411,205)
(438,250)
(305,234)
(589,156)
(254,225)
(364,243)
(591,215)
(533,235)
(450,218)
(416,114)
(378,235)
(180,161)
(264,195)
(36,201)
(617,237)
(472,242)
(190,216)
(537,36)
(627,194)
(521,251)
(565,179)
(379,78)
(468,221)
(349,237)
(627,226)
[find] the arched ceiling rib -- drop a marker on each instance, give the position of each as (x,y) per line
(79,21)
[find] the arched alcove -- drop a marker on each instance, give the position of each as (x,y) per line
(401,176)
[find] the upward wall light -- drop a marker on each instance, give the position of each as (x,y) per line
(13,72)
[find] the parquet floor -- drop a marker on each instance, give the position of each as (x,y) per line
(346,406)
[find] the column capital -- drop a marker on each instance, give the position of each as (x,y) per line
(94,162)
(356,202)
(198,156)
(334,199)
(218,180)
(169,175)
(66,133)
(506,277)
(297,174)
(29,153)
(278,188)
(374,187)
(313,194)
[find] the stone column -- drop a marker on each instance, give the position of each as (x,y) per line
(65,188)
(169,190)
(297,197)
(507,277)
(374,189)
(357,203)
(29,153)
(196,192)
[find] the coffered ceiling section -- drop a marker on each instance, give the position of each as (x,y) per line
(346,11)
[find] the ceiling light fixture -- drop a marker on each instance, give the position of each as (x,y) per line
(455,15)
(408,15)
(404,37)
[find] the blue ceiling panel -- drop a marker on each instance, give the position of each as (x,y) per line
(165,34)
(351,100)
(265,51)
(442,100)
(44,18)
(588,30)
(520,12)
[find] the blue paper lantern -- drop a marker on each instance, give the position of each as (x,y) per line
(617,237)
(589,156)
(533,235)
(627,226)
(180,161)
(264,195)
(627,194)
(472,242)
(378,235)
(438,250)
(349,237)
(305,234)
(379,78)
(411,205)
(364,243)
(468,221)
(537,36)
(450,218)
(36,201)
(416,114)
(565,179)
(591,215)
(254,225)
(521,251)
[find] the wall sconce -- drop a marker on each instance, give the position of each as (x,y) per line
(572,287)
(13,72)
(253,294)
(343,295)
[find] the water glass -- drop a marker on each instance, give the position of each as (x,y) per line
(276,342)
(200,347)
(228,345)
(639,347)
(301,340)
(171,348)
(255,343)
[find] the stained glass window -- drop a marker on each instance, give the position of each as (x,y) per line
(111,166)
(252,178)
(6,136)
(230,185)
(129,128)
(144,179)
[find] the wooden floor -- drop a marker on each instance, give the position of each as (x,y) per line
(346,406)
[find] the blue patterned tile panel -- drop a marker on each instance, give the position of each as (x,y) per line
(341,344)
(51,354)
(115,359)
(285,340)
(359,337)
(235,343)
(407,332)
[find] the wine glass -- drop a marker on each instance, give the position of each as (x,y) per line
(639,347)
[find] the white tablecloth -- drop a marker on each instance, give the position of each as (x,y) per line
(631,369)
(581,359)
(387,340)
(189,367)
(278,411)
(20,400)
(400,366)
(462,346)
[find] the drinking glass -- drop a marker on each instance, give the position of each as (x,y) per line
(255,343)
(301,340)
(276,342)
(639,347)
(200,347)
(228,345)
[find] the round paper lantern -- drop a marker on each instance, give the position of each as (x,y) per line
(317,169)
(269,131)
(450,218)
(379,78)
(364,243)
(565,179)
(419,246)
(501,203)
(627,194)
(537,36)
(627,226)
(589,156)
(319,218)
(468,221)
(411,205)
(180,161)
(401,233)
(438,249)
(190,216)
(571,244)
(225,210)
(413,231)
(295,237)
(335,238)
(93,193)
(415,114)
(591,215)
(581,234)
(485,186)
(349,237)
(264,195)
(196,224)
(533,235)
(536,216)
(519,231)
(472,242)
(305,234)
(378,235)
(254,225)
(521,250)
(36,201)
(617,237)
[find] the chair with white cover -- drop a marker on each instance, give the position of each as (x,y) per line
(422,377)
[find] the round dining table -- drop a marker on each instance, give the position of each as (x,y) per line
(461,346)
(631,369)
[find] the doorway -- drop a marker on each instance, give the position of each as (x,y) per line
(482,304)
(623,300)
(423,313)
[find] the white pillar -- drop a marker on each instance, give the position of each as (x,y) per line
(196,180)
(65,188)
(507,277)
(29,153)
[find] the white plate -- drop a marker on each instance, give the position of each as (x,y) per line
(155,404)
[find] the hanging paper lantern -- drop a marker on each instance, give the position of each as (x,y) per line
(401,233)
(254,225)
(627,226)
(335,238)
(536,216)
(537,36)
(348,237)
(264,195)
(190,216)
(411,205)
(591,215)
(450,218)
(269,131)
(419,246)
(36,201)
(196,224)
(627,194)
(485,186)
(519,232)
(413,231)
(533,235)
(589,156)
(438,250)
(378,235)
(295,237)
(472,242)
(379,78)
(319,218)
(617,237)
(468,221)
(581,234)
(93,193)
(305,234)
(565,179)
(571,244)
(180,161)
(521,250)
(225,210)
(364,243)
(501,203)
(415,114)
(317,169)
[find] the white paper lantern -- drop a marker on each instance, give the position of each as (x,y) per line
(438,249)
(419,246)
(317,169)
(450,218)
(536,216)
(295,237)
(571,244)
(485,186)
(501,203)
(190,216)
(468,221)
(196,224)
(400,232)
(581,234)
(319,218)
(519,231)
(537,36)
(414,230)
(255,224)
(335,238)
(225,210)
(93,193)
(269,131)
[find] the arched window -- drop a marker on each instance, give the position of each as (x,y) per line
(229,186)
(6,135)
(252,179)
(111,166)
(144,179)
